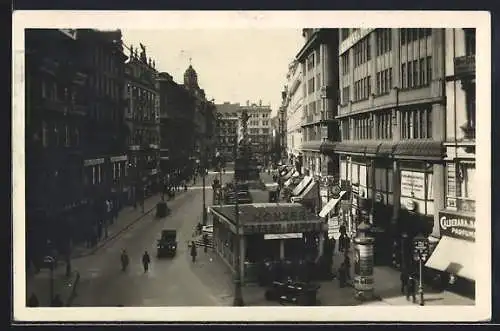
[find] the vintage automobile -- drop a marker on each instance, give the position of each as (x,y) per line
(167,244)
(299,293)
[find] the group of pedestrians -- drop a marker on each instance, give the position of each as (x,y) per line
(125,260)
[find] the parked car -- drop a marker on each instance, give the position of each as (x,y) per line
(167,244)
(302,294)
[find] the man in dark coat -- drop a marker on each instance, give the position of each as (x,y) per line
(146,260)
(205,242)
(411,289)
(193,251)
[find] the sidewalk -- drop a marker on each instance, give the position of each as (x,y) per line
(126,218)
(64,286)
(388,288)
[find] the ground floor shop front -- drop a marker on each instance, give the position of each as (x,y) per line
(267,232)
(397,188)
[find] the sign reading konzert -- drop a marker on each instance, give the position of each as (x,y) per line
(457,226)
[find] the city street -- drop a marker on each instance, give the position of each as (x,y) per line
(169,282)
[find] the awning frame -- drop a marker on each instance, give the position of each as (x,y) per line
(330,205)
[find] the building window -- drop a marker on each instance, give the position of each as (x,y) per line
(411,35)
(345,130)
(345,63)
(318,80)
(417,73)
(362,127)
(310,62)
(345,95)
(384,125)
(318,56)
(416,124)
(384,81)
(362,52)
(362,89)
(94,177)
(310,86)
(384,41)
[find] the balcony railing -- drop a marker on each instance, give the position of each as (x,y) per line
(465,65)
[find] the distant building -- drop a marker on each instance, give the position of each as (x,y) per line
(143,121)
(188,124)
(259,130)
(294,114)
(318,60)
(227,130)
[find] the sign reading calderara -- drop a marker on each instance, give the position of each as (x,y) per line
(457,226)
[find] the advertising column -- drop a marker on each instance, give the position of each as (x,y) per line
(363,267)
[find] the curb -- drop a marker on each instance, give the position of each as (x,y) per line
(114,235)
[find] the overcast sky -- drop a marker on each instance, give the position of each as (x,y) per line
(232,65)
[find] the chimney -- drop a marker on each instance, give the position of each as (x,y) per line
(248,102)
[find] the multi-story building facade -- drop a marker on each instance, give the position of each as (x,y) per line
(392,115)
(55,131)
(227,130)
(259,130)
(204,118)
(74,107)
(187,124)
(294,115)
(456,227)
(143,122)
(319,66)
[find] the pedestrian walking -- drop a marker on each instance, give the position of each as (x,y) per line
(347,263)
(404,281)
(199,228)
(342,275)
(193,251)
(205,242)
(411,289)
(33,301)
(146,260)
(56,301)
(125,260)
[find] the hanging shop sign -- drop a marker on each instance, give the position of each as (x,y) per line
(118,158)
(283,236)
(93,162)
(458,226)
(413,184)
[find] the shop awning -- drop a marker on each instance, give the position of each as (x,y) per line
(310,192)
(419,149)
(302,185)
(330,205)
(289,174)
(454,256)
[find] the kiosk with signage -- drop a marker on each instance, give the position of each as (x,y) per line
(269,231)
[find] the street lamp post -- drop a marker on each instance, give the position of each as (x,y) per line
(238,295)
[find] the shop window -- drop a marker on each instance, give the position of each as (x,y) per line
(467,174)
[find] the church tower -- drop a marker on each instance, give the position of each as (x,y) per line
(191,78)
